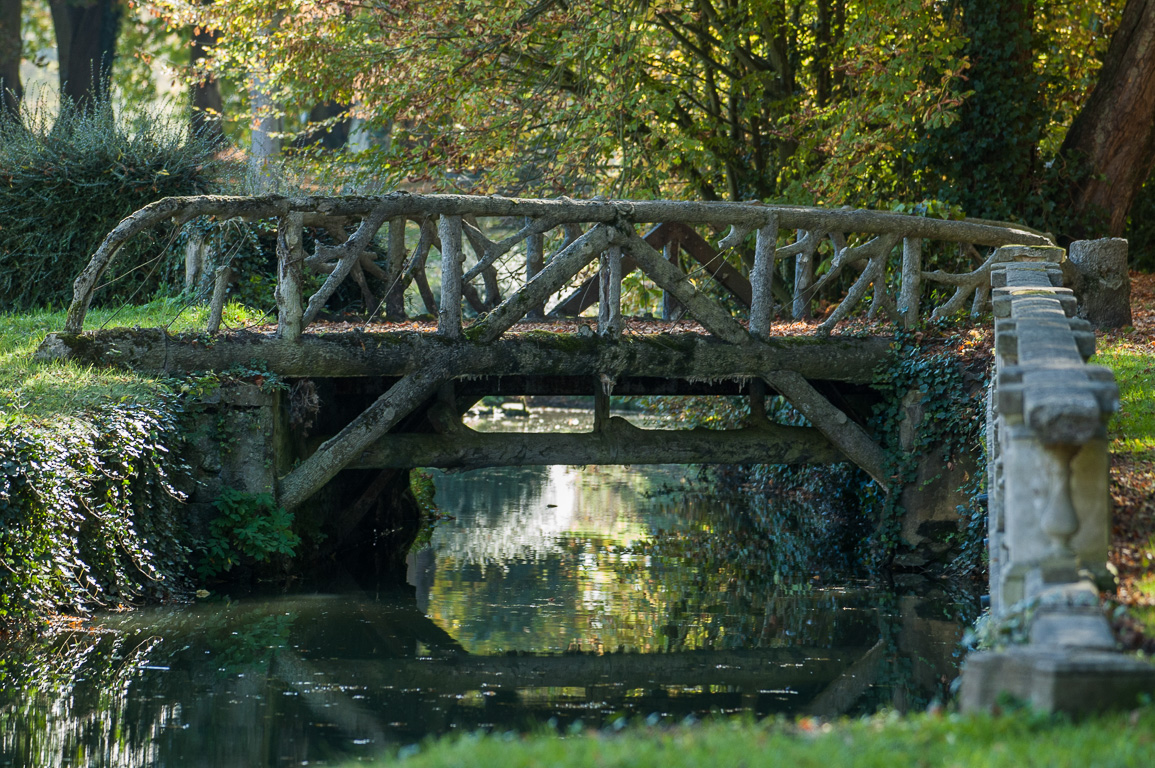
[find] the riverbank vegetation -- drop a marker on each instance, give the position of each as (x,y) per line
(91,479)
(1013,738)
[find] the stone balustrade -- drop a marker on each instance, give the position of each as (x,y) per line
(1050,515)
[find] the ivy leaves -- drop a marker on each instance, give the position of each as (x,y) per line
(88,511)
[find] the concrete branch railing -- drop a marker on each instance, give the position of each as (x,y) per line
(886,249)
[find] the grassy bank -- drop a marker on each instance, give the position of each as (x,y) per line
(30,390)
(91,477)
(1013,739)
(1130,353)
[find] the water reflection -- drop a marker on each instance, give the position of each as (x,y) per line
(555,593)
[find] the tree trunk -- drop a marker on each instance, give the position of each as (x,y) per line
(86,33)
(331,133)
(11,50)
(207,105)
(1114,133)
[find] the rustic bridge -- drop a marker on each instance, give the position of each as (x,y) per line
(396,393)
(421,382)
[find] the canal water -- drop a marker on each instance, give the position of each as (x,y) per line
(550,597)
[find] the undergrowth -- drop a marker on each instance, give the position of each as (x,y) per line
(88,510)
(90,479)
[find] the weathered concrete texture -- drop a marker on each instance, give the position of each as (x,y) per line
(238,436)
(1050,511)
(930,502)
(691,356)
(1070,663)
(1035,484)
(1049,507)
(617,442)
(1055,679)
(1100,280)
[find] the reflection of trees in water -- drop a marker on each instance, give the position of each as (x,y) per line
(223,685)
(610,567)
(513,513)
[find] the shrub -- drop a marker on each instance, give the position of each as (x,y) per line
(249,528)
(65,182)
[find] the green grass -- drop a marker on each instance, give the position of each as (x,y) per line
(1019,738)
(34,390)
(1133,428)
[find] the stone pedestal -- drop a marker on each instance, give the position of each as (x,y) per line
(1074,681)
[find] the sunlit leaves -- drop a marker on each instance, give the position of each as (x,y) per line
(705,98)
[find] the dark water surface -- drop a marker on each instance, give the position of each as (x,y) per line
(556,595)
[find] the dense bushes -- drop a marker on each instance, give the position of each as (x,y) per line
(66,181)
(88,511)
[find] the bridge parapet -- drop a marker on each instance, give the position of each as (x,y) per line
(1049,504)
(1047,433)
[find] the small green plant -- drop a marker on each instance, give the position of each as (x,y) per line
(250,528)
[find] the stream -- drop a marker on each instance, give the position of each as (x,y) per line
(550,597)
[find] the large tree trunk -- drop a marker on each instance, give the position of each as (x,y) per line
(207,105)
(1114,134)
(86,32)
(11,50)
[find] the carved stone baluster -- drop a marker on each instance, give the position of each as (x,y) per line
(452,256)
(1060,520)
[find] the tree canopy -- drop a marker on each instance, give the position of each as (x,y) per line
(968,104)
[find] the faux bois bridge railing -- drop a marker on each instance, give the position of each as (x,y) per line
(1050,513)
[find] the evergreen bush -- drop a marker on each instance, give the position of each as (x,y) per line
(66,180)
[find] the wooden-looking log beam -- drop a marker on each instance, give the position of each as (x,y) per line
(668,356)
(618,442)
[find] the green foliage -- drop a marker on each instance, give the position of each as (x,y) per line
(249,528)
(65,181)
(88,510)
(422,487)
(733,100)
(1140,232)
(1133,428)
(1031,67)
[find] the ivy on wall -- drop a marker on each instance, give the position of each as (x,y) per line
(88,512)
(950,372)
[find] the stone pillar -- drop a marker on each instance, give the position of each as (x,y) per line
(1100,280)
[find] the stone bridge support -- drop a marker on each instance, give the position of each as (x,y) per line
(1049,504)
